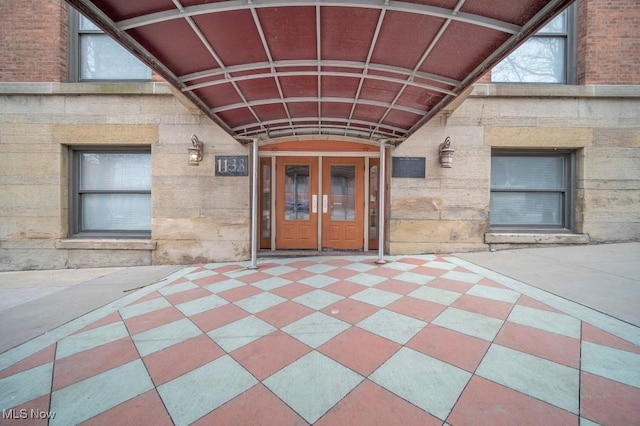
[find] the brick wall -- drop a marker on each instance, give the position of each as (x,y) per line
(608,42)
(34,40)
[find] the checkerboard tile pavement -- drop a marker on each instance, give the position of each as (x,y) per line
(328,340)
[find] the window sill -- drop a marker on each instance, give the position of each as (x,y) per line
(106,244)
(521,238)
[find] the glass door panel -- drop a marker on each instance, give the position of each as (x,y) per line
(296,187)
(342,199)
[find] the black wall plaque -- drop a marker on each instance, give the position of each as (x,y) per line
(408,167)
(232,165)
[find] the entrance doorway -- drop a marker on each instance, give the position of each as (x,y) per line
(318,202)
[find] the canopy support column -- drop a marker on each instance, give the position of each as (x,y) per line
(254,206)
(381,209)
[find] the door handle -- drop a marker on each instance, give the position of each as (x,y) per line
(314,203)
(325,203)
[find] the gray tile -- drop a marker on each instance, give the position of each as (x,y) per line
(164,336)
(376,297)
(440,265)
(271,283)
(319,268)
(144,307)
(414,278)
(91,339)
(318,281)
(393,326)
(177,288)
(224,286)
(25,386)
(202,304)
(360,267)
(548,381)
(240,272)
(366,279)
(545,320)
(259,302)
(586,422)
(313,384)
(399,266)
(494,293)
(612,363)
(424,381)
(202,274)
(466,277)
(279,270)
(438,295)
(316,329)
(204,389)
(239,333)
(318,299)
(469,323)
(92,396)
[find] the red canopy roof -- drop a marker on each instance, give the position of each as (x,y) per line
(361,68)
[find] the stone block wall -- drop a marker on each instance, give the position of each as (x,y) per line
(196,216)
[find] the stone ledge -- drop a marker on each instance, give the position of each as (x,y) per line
(540,90)
(97,88)
(106,244)
(517,238)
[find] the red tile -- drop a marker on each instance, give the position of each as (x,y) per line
(554,347)
(532,303)
(254,277)
(187,295)
(146,408)
(489,283)
(449,346)
(228,268)
(338,262)
(42,357)
(416,308)
(77,367)
(269,354)
(297,275)
(176,360)
(150,296)
(341,273)
(293,290)
(359,350)
(39,405)
(413,261)
(284,314)
(344,288)
(211,279)
(214,318)
(257,407)
(154,319)
(595,335)
(349,310)
(399,287)
(607,402)
(109,319)
(483,306)
(451,285)
(239,293)
(385,272)
(370,404)
(487,403)
(301,264)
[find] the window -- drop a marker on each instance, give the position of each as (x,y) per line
(110,193)
(547,57)
(98,57)
(532,191)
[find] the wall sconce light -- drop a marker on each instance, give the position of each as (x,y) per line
(196,152)
(446,154)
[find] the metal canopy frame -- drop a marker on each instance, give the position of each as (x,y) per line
(357,68)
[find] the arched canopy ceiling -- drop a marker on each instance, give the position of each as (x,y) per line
(374,69)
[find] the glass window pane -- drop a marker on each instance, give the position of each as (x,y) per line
(266,201)
(116,212)
(557,25)
(87,25)
(513,172)
(374,187)
(111,171)
(538,60)
(101,58)
(521,208)
(296,187)
(342,201)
